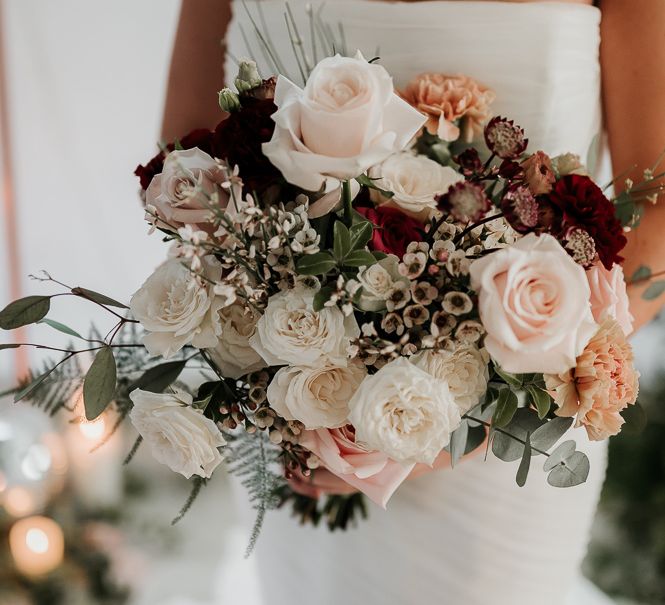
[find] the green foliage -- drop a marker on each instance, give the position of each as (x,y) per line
(316,264)
(654,290)
(24,311)
(60,327)
(339,511)
(159,377)
(366,181)
(506,406)
(252,459)
(100,383)
(101,299)
(198,483)
(525,463)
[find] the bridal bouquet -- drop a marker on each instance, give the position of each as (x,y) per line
(371,283)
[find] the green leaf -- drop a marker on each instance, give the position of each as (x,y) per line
(507,448)
(378,255)
(654,290)
(29,388)
(523,470)
(341,240)
(458,443)
(641,273)
(366,181)
(563,451)
(549,433)
(636,419)
(9,346)
(102,299)
(322,297)
(541,400)
(157,378)
(512,379)
(202,404)
(360,234)
(315,264)
(592,153)
(477,436)
(24,311)
(506,407)
(56,325)
(571,471)
(359,258)
(99,383)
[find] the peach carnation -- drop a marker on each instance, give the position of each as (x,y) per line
(446,100)
(603,383)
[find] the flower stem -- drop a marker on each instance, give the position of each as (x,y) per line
(347,201)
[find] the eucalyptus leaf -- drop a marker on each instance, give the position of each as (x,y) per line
(641,273)
(563,451)
(654,290)
(572,471)
(458,441)
(29,388)
(506,407)
(359,258)
(547,435)
(625,208)
(341,240)
(60,327)
(24,311)
(360,234)
(315,264)
(506,447)
(102,299)
(512,379)
(525,464)
(157,378)
(99,384)
(476,437)
(541,399)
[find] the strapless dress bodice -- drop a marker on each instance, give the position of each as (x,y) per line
(541,58)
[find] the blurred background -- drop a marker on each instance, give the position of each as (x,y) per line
(81,99)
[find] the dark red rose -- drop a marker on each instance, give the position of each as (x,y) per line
(201,138)
(394,230)
(578,203)
(238,140)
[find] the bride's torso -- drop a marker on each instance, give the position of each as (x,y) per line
(469,535)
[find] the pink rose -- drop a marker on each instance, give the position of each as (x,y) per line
(373,473)
(534,304)
(609,297)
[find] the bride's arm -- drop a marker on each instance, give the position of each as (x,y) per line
(197,68)
(633,68)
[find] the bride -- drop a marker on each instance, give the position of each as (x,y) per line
(470,535)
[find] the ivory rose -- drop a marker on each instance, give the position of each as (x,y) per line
(609,297)
(602,384)
(415,181)
(534,304)
(178,435)
(291,332)
(317,397)
(371,472)
(190,182)
(346,119)
(378,282)
(404,412)
(176,310)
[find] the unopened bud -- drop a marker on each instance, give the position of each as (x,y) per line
(248,76)
(229,100)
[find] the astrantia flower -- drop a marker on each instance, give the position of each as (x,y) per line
(602,384)
(466,202)
(520,208)
(581,246)
(394,230)
(577,202)
(505,138)
(538,173)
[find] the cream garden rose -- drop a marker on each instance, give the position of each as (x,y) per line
(189,184)
(378,282)
(178,435)
(317,397)
(415,181)
(464,369)
(534,304)
(234,355)
(176,310)
(291,332)
(346,119)
(404,412)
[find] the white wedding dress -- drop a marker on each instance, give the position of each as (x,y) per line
(467,536)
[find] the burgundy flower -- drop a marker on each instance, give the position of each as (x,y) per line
(511,170)
(576,202)
(394,230)
(466,202)
(469,162)
(505,138)
(520,208)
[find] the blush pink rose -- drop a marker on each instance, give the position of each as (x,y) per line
(609,297)
(534,304)
(373,473)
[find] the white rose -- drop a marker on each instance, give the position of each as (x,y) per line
(178,435)
(291,332)
(404,412)
(233,355)
(415,181)
(176,310)
(378,281)
(465,370)
(189,184)
(317,397)
(534,304)
(346,119)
